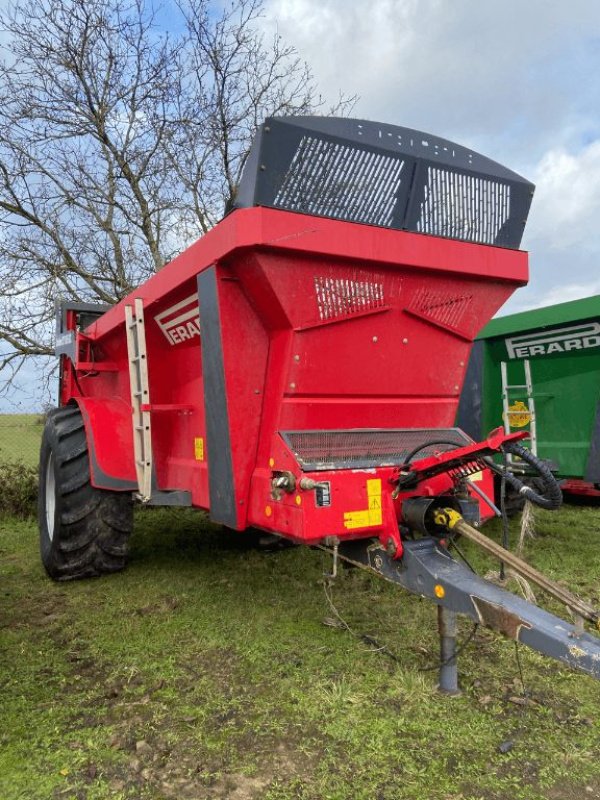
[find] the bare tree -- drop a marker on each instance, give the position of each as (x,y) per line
(120,144)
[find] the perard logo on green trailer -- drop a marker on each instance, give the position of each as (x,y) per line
(559,340)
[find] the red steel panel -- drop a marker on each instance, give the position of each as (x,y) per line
(323,325)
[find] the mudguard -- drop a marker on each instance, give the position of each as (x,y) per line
(110,442)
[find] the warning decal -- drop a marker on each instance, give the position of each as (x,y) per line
(372,515)
(518,415)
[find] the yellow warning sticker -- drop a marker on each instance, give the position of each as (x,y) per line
(518,415)
(374,487)
(375,510)
(476,476)
(356,519)
(199,448)
(371,516)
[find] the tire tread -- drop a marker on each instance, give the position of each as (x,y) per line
(93,526)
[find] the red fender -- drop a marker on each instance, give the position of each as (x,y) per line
(110,442)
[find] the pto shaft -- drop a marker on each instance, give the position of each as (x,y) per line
(452,520)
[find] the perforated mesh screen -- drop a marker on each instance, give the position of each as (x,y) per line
(444,306)
(322,450)
(341,297)
(336,180)
(463,206)
(384,175)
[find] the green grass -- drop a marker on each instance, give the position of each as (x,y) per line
(205,671)
(20,436)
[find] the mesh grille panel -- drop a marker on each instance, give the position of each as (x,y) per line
(359,449)
(341,181)
(340,297)
(448,308)
(463,206)
(377,174)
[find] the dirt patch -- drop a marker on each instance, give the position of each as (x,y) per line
(163,751)
(575,791)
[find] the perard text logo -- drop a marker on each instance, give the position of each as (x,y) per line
(559,340)
(180,322)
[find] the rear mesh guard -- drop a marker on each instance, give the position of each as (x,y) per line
(384,175)
(367,448)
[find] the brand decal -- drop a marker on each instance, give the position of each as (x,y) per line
(180,322)
(559,340)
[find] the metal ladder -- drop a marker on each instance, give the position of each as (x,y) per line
(507,413)
(140,397)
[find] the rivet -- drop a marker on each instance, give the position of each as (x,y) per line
(456,387)
(296,358)
(292,385)
(404,341)
(262,168)
(374,338)
(462,363)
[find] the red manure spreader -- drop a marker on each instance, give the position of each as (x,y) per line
(298,370)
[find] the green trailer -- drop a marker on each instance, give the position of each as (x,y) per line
(540,371)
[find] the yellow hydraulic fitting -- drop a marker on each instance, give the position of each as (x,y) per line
(447,517)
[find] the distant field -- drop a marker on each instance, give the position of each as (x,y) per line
(20,436)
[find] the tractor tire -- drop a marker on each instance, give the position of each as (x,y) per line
(84,531)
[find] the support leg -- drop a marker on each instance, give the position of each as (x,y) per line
(448,669)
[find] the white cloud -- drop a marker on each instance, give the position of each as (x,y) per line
(486,73)
(566,208)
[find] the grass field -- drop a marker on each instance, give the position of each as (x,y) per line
(205,671)
(20,436)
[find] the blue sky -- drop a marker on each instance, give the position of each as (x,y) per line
(517,80)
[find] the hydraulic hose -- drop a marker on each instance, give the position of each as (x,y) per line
(551,498)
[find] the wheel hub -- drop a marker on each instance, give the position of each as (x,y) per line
(50,496)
